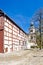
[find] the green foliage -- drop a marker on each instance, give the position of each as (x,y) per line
(40,45)
(34,46)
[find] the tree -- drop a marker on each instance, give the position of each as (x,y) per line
(38,39)
(38,18)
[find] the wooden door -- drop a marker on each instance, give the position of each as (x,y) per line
(6,49)
(1,41)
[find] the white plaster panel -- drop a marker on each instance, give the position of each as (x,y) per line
(10,26)
(5,28)
(10,30)
(5,42)
(5,37)
(5,23)
(10,35)
(5,46)
(10,42)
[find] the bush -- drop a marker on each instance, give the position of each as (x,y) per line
(34,47)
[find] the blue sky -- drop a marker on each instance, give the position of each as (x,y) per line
(21,11)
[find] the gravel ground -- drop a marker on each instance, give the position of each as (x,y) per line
(26,57)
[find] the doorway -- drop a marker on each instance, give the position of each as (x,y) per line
(1,41)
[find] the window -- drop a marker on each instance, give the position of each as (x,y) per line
(31,30)
(19,42)
(31,37)
(19,31)
(6,49)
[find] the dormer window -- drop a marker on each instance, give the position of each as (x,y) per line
(31,30)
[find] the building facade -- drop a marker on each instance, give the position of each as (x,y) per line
(32,35)
(12,37)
